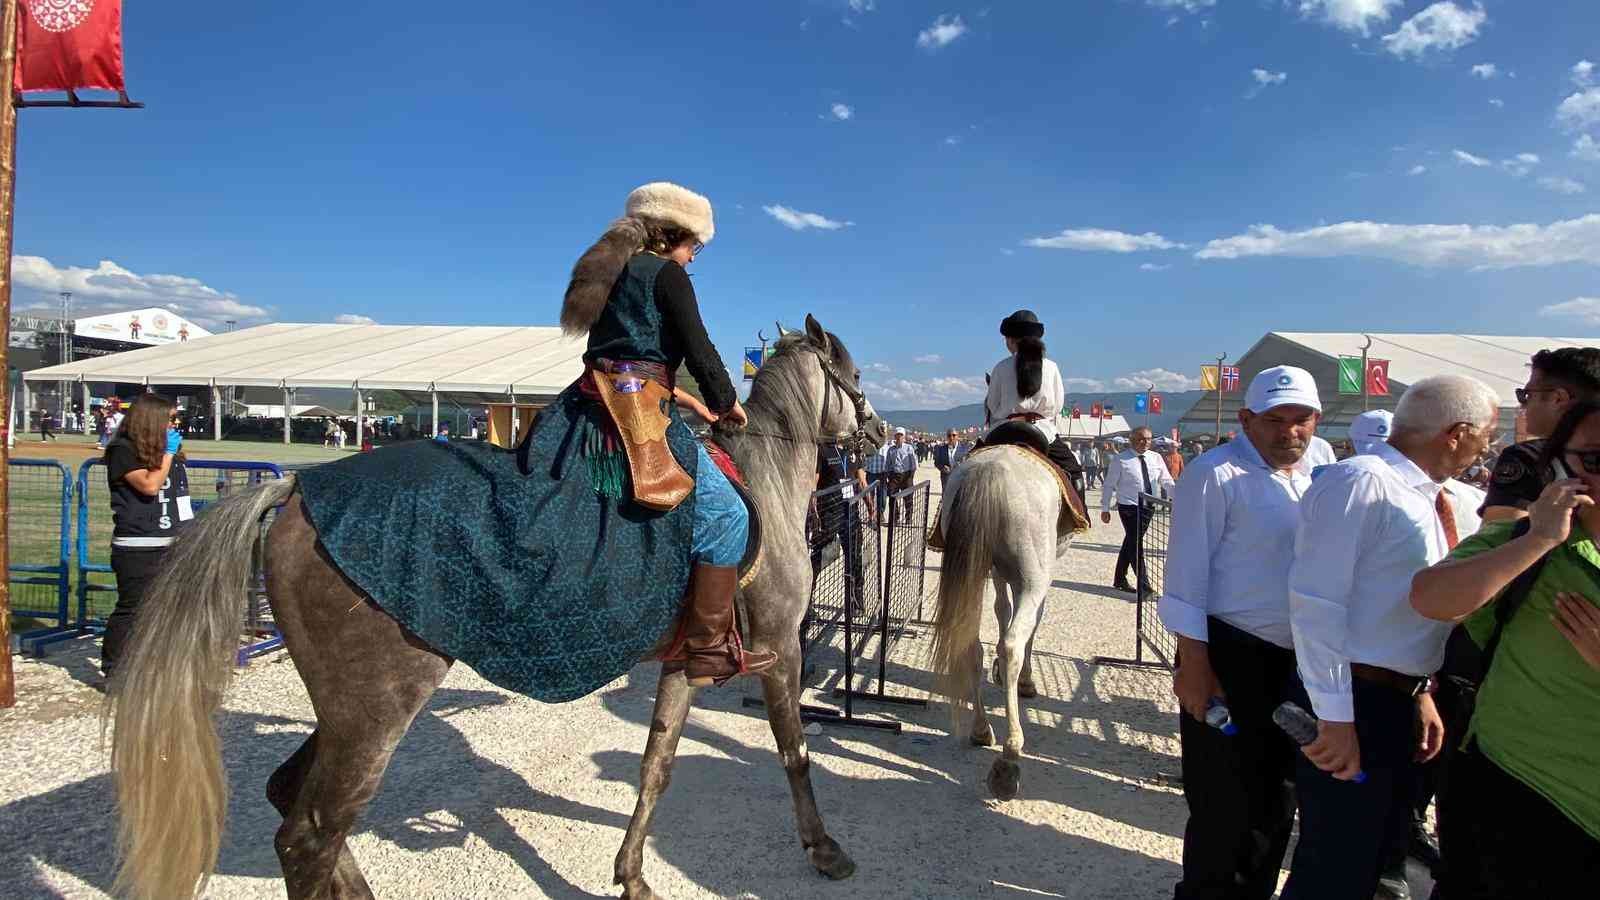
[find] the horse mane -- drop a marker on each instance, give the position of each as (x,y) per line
(781,398)
(1030,366)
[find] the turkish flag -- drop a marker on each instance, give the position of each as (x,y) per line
(64,45)
(1378,377)
(1077,412)
(1155,404)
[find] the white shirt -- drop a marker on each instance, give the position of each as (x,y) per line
(1318,453)
(1124,482)
(1231,543)
(1367,525)
(900,458)
(1003,400)
(1465,501)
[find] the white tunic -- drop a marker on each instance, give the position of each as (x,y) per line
(1003,400)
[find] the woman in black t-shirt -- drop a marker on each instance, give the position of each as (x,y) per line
(149,505)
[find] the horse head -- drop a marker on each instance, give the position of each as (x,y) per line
(846,410)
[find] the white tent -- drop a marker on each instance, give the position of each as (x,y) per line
(483,363)
(1092,428)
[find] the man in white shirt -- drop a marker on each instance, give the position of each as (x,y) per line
(1226,597)
(900,468)
(1364,656)
(1137,470)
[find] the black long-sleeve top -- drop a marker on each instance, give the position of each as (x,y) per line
(680,318)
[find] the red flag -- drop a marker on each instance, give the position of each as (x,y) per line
(63,45)
(1077,412)
(1155,404)
(1378,377)
(1096,411)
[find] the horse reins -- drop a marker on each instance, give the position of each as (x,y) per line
(857,399)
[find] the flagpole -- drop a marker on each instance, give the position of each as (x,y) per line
(1217,439)
(1364,348)
(8,186)
(1149,397)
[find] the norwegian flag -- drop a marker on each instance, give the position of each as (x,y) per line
(1230,379)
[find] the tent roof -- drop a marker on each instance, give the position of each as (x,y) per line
(533,360)
(1087,427)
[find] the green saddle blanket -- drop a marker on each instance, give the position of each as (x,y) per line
(541,583)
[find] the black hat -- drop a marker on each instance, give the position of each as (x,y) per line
(1022,324)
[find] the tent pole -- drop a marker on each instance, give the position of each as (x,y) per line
(85,417)
(288,412)
(216,412)
(27,407)
(361,418)
(435,396)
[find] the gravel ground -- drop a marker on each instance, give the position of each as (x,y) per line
(495,795)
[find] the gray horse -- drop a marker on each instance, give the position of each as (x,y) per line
(1000,521)
(367,677)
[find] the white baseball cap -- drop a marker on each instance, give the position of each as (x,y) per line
(1281,386)
(899,431)
(1371,427)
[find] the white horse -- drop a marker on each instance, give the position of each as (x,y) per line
(1003,518)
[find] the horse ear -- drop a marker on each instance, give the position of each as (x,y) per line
(816,334)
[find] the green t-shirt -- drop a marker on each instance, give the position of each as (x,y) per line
(1539,708)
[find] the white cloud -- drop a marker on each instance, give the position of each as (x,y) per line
(1163,379)
(115,287)
(1350,15)
(1582,73)
(1464,246)
(1521,164)
(862,6)
(1417,170)
(943,30)
(1443,26)
(1188,6)
(842,112)
(1103,239)
(1485,71)
(354,319)
(1152,267)
(1586,148)
(877,367)
(1584,309)
(1466,158)
(1086,385)
(952,140)
(1496,102)
(939,392)
(928,359)
(800,221)
(1265,79)
(1562,185)
(1580,111)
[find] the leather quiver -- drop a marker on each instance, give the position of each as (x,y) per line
(641,419)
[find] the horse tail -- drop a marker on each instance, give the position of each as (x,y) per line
(971,527)
(172,790)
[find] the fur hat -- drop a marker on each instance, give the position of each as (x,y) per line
(1022,324)
(668,202)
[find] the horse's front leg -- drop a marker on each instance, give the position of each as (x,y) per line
(781,686)
(673,698)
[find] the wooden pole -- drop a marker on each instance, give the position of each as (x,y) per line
(8,196)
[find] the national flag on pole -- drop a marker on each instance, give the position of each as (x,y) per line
(1350,375)
(1375,379)
(1378,377)
(1208,378)
(1155,404)
(1108,413)
(1077,411)
(1141,404)
(1096,411)
(64,45)
(753,358)
(1230,379)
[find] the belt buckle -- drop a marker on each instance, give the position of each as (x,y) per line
(1420,687)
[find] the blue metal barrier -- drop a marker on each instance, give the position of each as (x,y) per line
(209,481)
(39,539)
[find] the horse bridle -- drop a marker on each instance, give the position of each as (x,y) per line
(859,400)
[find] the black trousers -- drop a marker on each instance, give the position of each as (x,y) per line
(135,569)
(1501,838)
(1135,522)
(897,482)
(1241,809)
(1346,829)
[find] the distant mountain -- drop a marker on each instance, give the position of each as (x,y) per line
(1173,406)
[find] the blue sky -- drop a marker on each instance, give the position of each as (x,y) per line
(1161,180)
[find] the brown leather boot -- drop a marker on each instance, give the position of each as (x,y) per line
(711,647)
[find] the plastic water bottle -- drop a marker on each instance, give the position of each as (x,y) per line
(1301,727)
(1218,717)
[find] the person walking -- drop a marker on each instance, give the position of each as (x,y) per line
(900,469)
(1557,380)
(1135,471)
(47,424)
(1521,815)
(150,505)
(1173,459)
(947,456)
(1226,598)
(1091,465)
(873,465)
(1365,658)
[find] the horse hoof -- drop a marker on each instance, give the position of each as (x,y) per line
(984,738)
(831,860)
(1005,779)
(638,890)
(1026,690)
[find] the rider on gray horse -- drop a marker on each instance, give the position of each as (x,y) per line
(1026,389)
(631,295)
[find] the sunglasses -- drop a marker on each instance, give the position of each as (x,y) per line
(1589,459)
(699,248)
(1524,393)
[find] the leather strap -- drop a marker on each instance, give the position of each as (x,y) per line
(638,407)
(1410,685)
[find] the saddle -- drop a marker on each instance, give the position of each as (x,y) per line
(1073,520)
(1019,433)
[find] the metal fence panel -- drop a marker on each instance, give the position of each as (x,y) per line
(209,481)
(39,532)
(1148,632)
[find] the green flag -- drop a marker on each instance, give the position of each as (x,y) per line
(1350,379)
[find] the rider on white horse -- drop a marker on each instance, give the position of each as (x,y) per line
(1026,387)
